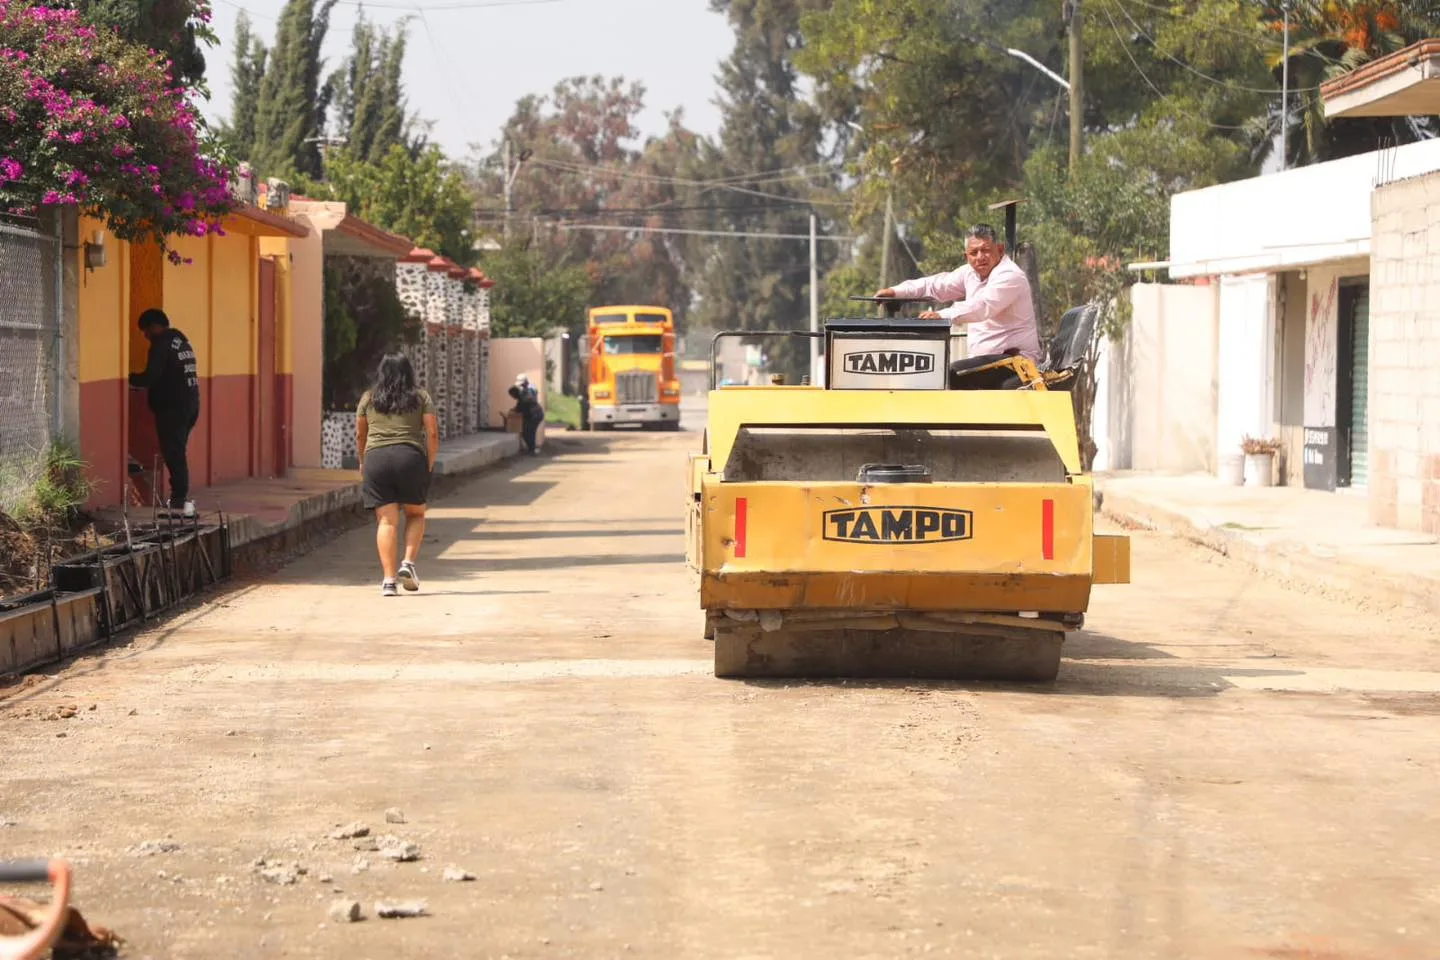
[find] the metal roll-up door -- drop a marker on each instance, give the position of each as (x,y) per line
(1360,388)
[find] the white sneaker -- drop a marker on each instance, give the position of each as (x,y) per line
(409,578)
(189,508)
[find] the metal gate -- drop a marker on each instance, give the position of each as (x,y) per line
(1354,406)
(29,357)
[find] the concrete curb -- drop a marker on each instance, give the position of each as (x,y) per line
(1299,563)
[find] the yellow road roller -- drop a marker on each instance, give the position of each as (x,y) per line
(890,523)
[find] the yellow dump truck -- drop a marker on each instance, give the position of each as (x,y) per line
(631,376)
(888,524)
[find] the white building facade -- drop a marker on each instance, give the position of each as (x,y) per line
(1269,322)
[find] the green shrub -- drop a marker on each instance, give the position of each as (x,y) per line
(48,491)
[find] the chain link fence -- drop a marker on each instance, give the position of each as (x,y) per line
(29,369)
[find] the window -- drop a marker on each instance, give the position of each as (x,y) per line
(625,346)
(651,318)
(599,318)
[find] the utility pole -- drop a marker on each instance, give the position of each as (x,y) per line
(1285,87)
(508,173)
(1077,82)
(505,172)
(885,237)
(814,303)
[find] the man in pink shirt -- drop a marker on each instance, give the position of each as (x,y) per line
(992,298)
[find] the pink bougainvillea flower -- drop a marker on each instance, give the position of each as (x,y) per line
(114,129)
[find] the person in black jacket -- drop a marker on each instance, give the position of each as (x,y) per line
(174,395)
(527,404)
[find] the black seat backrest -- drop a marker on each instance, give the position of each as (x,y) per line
(1067,349)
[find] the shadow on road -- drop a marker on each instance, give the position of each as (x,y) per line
(1097,665)
(486,533)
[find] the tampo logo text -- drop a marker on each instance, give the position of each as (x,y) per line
(897,525)
(889,362)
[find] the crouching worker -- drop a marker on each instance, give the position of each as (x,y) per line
(992,297)
(527,404)
(398,437)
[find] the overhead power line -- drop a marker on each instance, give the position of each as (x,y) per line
(458,5)
(700,233)
(728,183)
(1144,76)
(1200,73)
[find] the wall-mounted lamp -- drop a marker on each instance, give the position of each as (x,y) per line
(95,251)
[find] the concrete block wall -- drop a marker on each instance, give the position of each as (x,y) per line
(1405,354)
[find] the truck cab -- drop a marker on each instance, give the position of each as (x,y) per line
(631,370)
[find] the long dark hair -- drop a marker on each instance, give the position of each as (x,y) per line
(394,390)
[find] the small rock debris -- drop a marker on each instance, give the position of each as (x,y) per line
(151,847)
(400,908)
(401,851)
(346,911)
(279,871)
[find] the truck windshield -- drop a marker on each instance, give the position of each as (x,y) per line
(623,346)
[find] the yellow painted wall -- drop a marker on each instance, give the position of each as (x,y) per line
(104,299)
(231,335)
(302,350)
(187,296)
(278,249)
(147,284)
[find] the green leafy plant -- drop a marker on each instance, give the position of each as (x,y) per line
(364,320)
(50,490)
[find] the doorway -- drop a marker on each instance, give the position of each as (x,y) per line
(268,461)
(1352,406)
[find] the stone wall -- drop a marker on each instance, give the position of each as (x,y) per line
(1404,402)
(449,358)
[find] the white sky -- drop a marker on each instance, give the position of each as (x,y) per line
(468,61)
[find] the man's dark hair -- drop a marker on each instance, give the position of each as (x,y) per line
(983,231)
(395,386)
(154,317)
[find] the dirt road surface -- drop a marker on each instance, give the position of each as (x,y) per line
(1223,769)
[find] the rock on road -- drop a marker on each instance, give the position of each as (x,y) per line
(1224,768)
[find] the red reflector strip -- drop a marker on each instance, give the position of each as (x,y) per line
(1047,529)
(741,510)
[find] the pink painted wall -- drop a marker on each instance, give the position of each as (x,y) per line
(510,357)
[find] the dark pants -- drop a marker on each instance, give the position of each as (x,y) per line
(173,428)
(1001,378)
(528,429)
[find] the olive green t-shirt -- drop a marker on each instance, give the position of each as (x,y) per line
(387,429)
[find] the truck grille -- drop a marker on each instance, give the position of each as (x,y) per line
(636,388)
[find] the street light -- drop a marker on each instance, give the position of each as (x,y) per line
(1022,55)
(1019,55)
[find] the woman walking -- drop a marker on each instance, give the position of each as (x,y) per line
(398,438)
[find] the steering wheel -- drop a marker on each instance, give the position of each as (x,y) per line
(893,304)
(32,945)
